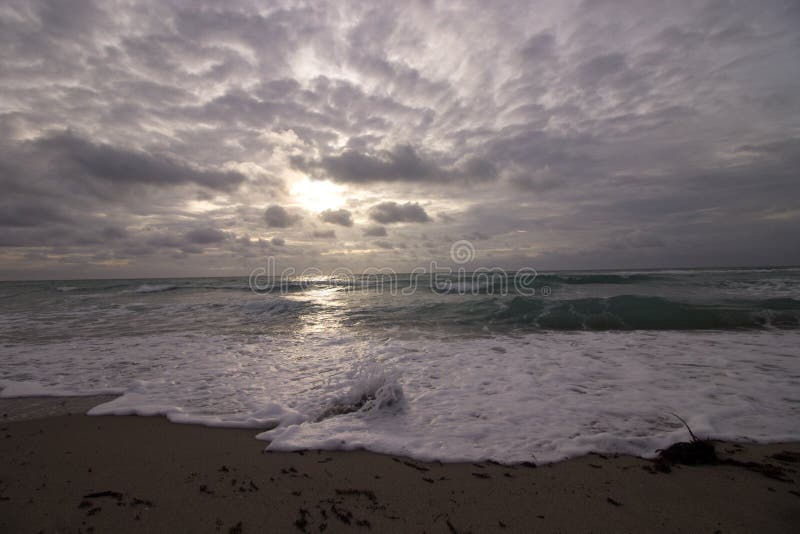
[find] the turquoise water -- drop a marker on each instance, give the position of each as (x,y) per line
(642,300)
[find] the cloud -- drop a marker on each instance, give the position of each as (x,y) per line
(341,217)
(602,66)
(83,159)
(278,241)
(374,231)
(277,217)
(205,236)
(383,244)
(133,139)
(539,46)
(324,234)
(31,215)
(402,164)
(166,240)
(392,212)
(114,232)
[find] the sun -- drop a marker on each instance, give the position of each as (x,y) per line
(317,195)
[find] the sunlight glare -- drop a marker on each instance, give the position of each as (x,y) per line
(317,195)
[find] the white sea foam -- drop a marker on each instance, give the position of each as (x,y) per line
(31,388)
(541,396)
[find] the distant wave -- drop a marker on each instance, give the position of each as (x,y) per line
(155,288)
(597,278)
(623,312)
(65,289)
(275,306)
(631,312)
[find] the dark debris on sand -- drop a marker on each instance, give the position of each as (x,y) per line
(703,452)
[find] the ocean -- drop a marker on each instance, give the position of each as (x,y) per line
(462,369)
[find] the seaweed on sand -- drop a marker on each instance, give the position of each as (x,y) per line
(695,452)
(703,452)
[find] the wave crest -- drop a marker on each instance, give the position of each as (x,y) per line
(373,391)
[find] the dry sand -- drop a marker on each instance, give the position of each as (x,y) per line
(74,473)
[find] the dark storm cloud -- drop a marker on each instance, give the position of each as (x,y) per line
(121,166)
(402,164)
(342,217)
(392,212)
(63,178)
(278,217)
(375,231)
(205,236)
(278,241)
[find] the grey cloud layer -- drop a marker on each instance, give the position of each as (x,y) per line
(341,217)
(567,134)
(392,212)
(401,164)
(278,217)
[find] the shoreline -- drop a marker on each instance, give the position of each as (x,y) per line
(138,474)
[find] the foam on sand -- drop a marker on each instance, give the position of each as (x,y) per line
(540,397)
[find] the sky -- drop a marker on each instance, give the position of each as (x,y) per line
(171,138)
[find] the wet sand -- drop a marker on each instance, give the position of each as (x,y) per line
(74,473)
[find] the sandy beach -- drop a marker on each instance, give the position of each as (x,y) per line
(66,472)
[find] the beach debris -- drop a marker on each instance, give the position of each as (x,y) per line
(695,452)
(338,510)
(302,520)
(768,470)
(345,516)
(114,494)
(787,456)
(136,501)
(613,501)
(689,453)
(412,465)
(703,452)
(369,494)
